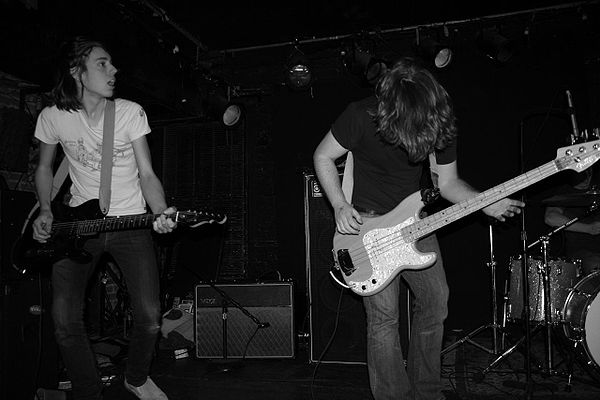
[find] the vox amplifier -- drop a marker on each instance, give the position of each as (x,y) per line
(262,328)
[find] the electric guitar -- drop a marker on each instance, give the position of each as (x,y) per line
(73,225)
(385,246)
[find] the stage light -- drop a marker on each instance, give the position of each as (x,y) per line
(219,106)
(375,68)
(359,59)
(232,114)
(434,49)
(297,70)
(495,46)
(434,52)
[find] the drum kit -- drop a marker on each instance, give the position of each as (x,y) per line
(557,299)
(562,301)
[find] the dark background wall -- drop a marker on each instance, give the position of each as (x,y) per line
(497,105)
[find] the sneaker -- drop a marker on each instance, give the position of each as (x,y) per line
(148,391)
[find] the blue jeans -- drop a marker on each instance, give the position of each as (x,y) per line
(133,251)
(421,379)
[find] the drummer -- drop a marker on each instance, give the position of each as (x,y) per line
(580,198)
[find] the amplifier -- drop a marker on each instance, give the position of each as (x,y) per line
(222,330)
(349,345)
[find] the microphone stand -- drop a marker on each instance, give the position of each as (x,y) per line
(495,350)
(227,364)
(525,281)
(526,311)
(528,385)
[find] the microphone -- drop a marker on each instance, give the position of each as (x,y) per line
(571,110)
(264,325)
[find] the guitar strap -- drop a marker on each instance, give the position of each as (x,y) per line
(59,177)
(108,138)
(433,170)
(348,178)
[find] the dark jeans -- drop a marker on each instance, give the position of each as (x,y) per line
(134,253)
(421,379)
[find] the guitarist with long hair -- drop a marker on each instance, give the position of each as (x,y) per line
(390,135)
(85,83)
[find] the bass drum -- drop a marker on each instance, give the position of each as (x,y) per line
(582,319)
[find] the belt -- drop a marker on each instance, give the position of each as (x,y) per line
(366,212)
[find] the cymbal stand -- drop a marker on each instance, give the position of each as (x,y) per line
(545,274)
(494,326)
(526,338)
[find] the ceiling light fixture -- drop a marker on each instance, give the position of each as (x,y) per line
(495,46)
(434,51)
(297,70)
(358,56)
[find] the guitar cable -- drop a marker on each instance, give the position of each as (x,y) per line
(335,326)
(38,362)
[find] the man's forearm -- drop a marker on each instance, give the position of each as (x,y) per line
(457,191)
(43,187)
(329,181)
(153,193)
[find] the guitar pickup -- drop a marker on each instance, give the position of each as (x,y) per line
(345,262)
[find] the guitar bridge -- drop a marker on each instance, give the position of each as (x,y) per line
(344,262)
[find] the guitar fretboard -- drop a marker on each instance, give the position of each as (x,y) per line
(107,224)
(453,213)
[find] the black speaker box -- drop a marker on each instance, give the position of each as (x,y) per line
(14,208)
(30,357)
(270,303)
(349,343)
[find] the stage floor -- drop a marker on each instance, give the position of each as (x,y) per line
(192,378)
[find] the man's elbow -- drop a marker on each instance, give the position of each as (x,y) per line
(319,158)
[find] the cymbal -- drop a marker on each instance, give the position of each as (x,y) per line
(584,199)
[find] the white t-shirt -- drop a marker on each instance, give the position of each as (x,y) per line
(82,145)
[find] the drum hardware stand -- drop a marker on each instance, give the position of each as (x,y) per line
(494,326)
(547,325)
(528,334)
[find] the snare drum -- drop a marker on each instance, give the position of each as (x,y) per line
(563,275)
(582,318)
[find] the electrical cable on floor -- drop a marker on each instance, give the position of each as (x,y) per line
(335,326)
(38,360)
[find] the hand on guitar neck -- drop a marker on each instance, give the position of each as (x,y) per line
(164,223)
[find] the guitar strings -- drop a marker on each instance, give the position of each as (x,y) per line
(94,225)
(129,221)
(408,234)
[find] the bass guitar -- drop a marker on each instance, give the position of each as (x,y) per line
(73,225)
(385,246)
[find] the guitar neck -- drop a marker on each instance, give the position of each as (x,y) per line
(89,226)
(453,213)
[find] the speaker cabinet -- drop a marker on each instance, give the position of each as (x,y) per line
(30,357)
(223,330)
(14,207)
(349,343)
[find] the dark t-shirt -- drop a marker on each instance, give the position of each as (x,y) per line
(383,175)
(576,241)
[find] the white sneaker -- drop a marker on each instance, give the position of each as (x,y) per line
(148,391)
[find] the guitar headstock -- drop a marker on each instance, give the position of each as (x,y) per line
(578,157)
(197,218)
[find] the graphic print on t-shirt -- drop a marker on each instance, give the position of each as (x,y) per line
(91,159)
